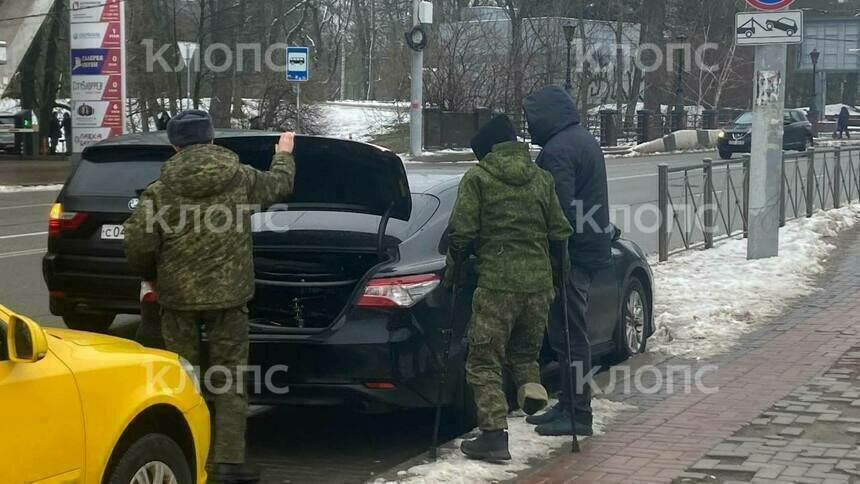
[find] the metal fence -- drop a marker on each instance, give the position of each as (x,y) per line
(703,203)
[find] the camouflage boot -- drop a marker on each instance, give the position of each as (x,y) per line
(491,445)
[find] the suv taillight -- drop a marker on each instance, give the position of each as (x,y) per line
(398,292)
(60,221)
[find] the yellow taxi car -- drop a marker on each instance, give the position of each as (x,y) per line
(79,407)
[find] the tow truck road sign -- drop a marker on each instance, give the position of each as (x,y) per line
(762,28)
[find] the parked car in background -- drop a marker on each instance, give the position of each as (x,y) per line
(348,274)
(7,140)
(89,408)
(737,138)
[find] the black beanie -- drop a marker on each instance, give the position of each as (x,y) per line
(499,130)
(190,128)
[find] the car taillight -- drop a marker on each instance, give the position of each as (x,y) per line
(59,221)
(397,292)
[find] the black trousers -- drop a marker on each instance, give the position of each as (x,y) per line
(578,286)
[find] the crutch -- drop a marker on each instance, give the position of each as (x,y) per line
(447,334)
(574,447)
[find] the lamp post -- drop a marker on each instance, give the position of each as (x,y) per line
(187,50)
(813,109)
(679,116)
(569,32)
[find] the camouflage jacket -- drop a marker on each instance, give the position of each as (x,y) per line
(192,229)
(508,211)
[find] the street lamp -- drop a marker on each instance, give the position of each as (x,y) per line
(813,110)
(680,117)
(569,32)
(187,50)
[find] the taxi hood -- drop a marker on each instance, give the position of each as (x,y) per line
(82,338)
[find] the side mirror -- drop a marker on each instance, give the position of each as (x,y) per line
(26,340)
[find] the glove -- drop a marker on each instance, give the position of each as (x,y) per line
(454,273)
(560,261)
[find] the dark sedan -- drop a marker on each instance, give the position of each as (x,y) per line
(348,273)
(737,138)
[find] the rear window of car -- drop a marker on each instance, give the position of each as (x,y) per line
(113,179)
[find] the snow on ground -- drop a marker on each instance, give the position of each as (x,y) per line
(359,121)
(707,300)
(525,444)
(29,188)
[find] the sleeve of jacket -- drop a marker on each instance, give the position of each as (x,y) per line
(142,242)
(273,186)
(564,175)
(465,223)
(558,228)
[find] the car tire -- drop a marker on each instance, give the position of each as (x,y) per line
(147,456)
(94,322)
(726,155)
(635,315)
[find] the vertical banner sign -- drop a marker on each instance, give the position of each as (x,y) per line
(97,71)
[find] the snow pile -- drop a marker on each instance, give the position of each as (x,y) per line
(29,188)
(524,442)
(706,300)
(360,121)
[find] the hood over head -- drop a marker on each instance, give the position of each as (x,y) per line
(498,130)
(511,163)
(549,111)
(200,171)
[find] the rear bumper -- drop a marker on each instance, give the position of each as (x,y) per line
(77,291)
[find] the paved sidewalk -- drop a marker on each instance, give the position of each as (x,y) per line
(685,435)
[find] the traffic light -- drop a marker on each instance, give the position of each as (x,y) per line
(24,120)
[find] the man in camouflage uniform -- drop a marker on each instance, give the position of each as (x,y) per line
(508,212)
(191,236)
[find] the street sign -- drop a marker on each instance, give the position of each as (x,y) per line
(298,65)
(770,4)
(764,28)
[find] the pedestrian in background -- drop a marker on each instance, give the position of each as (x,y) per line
(575,159)
(842,123)
(203,272)
(67,132)
(56,131)
(508,214)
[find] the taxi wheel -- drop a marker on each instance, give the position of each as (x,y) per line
(152,458)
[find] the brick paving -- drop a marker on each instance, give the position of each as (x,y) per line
(777,387)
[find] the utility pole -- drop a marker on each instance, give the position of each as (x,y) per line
(342,70)
(416,115)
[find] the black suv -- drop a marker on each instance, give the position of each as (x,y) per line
(737,138)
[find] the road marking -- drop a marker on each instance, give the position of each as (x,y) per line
(16,207)
(18,236)
(631,177)
(21,253)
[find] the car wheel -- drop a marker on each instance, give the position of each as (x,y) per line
(769,25)
(95,322)
(726,155)
(152,458)
(635,308)
(790,32)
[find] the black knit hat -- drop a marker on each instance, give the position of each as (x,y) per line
(190,128)
(499,130)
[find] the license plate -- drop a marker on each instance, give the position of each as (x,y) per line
(736,142)
(113,232)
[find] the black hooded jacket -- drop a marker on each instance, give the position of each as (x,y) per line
(575,159)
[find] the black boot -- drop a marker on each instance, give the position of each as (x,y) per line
(545,417)
(491,445)
(561,425)
(234,474)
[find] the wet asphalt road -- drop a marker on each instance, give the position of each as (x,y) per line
(291,444)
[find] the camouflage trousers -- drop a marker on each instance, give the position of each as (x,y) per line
(507,328)
(227,335)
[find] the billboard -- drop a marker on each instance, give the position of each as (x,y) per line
(838,41)
(97,68)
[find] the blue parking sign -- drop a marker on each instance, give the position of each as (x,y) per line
(298,64)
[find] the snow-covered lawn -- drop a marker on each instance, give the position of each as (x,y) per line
(706,300)
(453,467)
(359,121)
(29,188)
